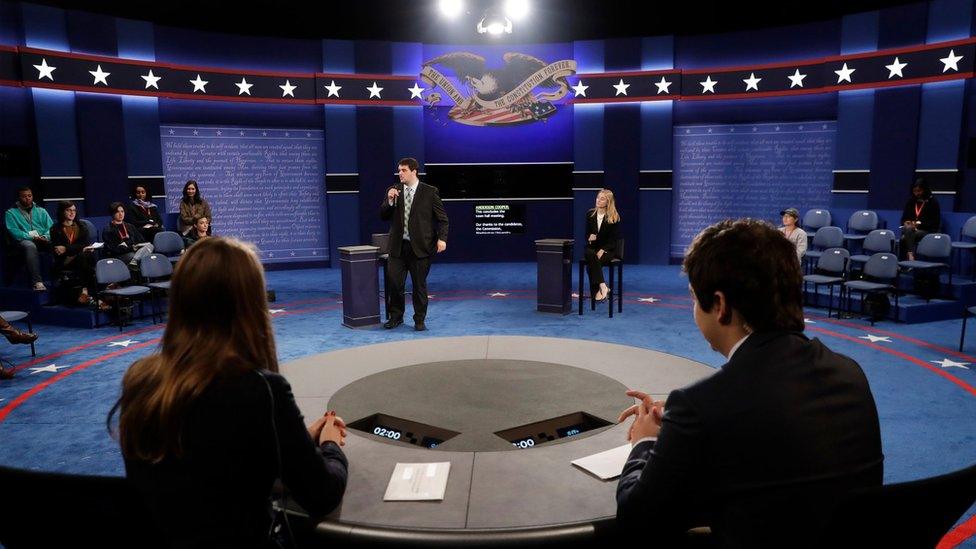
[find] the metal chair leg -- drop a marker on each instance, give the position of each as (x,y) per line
(30,329)
(580,293)
(620,287)
(962,334)
(610,291)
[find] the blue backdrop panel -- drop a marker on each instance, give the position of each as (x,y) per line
(264,185)
(748,170)
(101,134)
(11,33)
(940,125)
(894,146)
(448,141)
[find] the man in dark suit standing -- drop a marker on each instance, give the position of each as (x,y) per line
(413,208)
(762,449)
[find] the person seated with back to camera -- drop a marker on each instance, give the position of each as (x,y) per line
(206,424)
(192,207)
(69,240)
(603,231)
(122,239)
(762,449)
(30,228)
(199,231)
(142,213)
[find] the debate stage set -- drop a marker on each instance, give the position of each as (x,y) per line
(490,428)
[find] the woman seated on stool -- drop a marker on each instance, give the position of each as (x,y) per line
(123,240)
(207,424)
(199,230)
(920,217)
(142,213)
(793,233)
(69,240)
(602,230)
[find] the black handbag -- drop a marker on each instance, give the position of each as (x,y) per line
(279,534)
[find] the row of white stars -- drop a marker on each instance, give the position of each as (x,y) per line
(374,91)
(896,68)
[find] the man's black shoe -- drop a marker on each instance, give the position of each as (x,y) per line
(419,326)
(393,323)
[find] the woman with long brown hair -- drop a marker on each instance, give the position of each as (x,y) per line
(207,424)
(602,230)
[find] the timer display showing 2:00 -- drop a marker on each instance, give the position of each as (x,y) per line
(524,443)
(385,432)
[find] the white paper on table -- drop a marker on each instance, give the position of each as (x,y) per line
(95,245)
(605,465)
(418,482)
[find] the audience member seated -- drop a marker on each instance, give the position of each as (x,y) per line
(13,335)
(793,232)
(29,227)
(920,217)
(122,239)
(199,231)
(142,213)
(207,424)
(760,450)
(71,257)
(192,207)
(602,233)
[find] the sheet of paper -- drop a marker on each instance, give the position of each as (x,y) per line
(33,233)
(605,465)
(95,246)
(418,482)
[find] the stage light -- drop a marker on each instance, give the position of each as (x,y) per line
(451,8)
(494,23)
(516,9)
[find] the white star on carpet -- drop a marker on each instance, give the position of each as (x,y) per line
(46,71)
(333,89)
(100,75)
(946,363)
(243,86)
(621,88)
(708,85)
(579,89)
(752,83)
(199,84)
(875,339)
(430,296)
(808,321)
(374,91)
(648,299)
(498,294)
(151,80)
(287,88)
(125,343)
(416,91)
(844,74)
(895,68)
(951,62)
(796,79)
(276,311)
(663,86)
(53,368)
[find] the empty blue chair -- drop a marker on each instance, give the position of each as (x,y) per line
(156,268)
(170,244)
(115,271)
(881,275)
(831,270)
(825,238)
(815,219)
(935,247)
(860,224)
(968,231)
(878,240)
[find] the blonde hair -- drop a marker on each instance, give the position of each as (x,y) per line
(612,215)
(218,324)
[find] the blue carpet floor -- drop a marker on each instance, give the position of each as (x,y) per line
(52,415)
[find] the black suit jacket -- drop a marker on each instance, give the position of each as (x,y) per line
(760,450)
(217,495)
(606,237)
(931,216)
(426,211)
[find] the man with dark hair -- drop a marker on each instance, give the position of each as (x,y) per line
(30,228)
(413,209)
(761,449)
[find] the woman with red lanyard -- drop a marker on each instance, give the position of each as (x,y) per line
(144,214)
(68,241)
(920,217)
(123,240)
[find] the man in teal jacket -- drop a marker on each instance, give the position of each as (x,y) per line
(30,227)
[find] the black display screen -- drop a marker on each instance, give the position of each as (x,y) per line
(570,431)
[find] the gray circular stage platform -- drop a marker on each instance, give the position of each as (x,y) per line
(478,387)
